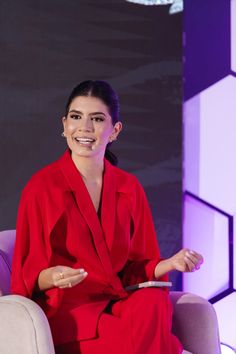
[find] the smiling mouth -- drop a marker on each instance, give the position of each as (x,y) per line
(85,141)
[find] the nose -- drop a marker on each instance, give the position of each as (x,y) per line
(86,125)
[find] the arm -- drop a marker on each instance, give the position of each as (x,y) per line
(144,252)
(31,269)
(144,261)
(183,261)
(30,252)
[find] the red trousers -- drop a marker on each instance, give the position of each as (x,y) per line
(139,324)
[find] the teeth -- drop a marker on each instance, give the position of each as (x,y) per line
(84,140)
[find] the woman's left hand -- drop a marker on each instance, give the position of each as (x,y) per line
(186,260)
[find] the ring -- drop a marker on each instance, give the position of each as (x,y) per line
(69,285)
(61,275)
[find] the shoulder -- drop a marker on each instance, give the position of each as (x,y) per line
(126,181)
(129,186)
(47,178)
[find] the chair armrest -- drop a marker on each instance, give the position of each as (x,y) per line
(195,323)
(24,327)
(5,272)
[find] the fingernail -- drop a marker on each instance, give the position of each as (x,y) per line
(81,270)
(85,273)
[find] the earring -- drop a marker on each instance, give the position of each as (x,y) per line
(112,139)
(63,134)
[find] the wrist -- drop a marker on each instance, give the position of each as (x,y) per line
(45,280)
(163,267)
(171,264)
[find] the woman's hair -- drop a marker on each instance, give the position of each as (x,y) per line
(103,91)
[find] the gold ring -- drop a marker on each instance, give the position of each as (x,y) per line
(61,275)
(69,285)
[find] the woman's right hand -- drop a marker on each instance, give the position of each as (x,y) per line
(60,277)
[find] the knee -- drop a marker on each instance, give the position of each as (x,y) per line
(152,293)
(151,297)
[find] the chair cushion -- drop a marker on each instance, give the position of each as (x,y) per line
(7,239)
(23,327)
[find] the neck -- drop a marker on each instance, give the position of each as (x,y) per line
(91,169)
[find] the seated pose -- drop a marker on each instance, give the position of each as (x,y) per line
(85,233)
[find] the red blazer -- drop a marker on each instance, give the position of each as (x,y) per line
(57,225)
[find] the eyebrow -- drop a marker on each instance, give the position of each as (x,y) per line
(90,114)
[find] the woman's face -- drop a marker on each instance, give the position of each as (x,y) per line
(88,127)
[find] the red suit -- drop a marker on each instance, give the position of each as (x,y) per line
(58,225)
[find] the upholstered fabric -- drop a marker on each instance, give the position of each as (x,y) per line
(195,323)
(23,327)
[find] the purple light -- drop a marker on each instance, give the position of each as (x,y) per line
(210,144)
(210,171)
(226,313)
(233,35)
(206,230)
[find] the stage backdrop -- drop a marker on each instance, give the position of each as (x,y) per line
(210,145)
(47,47)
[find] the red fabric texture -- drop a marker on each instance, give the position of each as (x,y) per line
(58,225)
(139,324)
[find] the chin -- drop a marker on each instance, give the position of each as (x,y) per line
(87,154)
(83,153)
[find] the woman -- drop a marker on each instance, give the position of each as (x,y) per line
(85,232)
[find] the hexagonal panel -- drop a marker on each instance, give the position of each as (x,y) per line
(206,230)
(226,313)
(210,145)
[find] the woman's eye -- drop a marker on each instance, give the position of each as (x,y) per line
(98,119)
(74,116)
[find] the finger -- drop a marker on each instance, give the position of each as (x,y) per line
(71,271)
(190,265)
(195,257)
(71,281)
(192,257)
(199,262)
(198,255)
(68,285)
(68,272)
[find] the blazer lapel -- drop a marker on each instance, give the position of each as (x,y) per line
(108,206)
(88,211)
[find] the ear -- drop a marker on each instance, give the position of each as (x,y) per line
(63,120)
(116,131)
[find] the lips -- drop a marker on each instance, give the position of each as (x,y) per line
(84,140)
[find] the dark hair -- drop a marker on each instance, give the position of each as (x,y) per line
(99,89)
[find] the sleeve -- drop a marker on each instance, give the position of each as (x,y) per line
(30,253)
(144,252)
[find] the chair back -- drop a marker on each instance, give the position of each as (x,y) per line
(7,240)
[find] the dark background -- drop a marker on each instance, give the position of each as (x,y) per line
(206,44)
(47,47)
